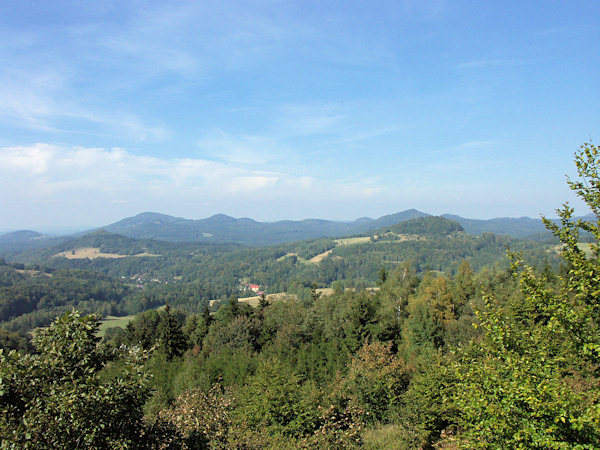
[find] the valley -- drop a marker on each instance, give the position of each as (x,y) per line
(149,273)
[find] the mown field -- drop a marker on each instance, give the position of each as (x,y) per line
(113,321)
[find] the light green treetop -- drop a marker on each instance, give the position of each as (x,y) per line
(532,382)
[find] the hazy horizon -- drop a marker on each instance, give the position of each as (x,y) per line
(292,110)
(74,229)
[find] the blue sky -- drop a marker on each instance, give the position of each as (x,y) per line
(291,110)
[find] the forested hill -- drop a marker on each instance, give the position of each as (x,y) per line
(521,227)
(222,228)
(428,226)
(26,239)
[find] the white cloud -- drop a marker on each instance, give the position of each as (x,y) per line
(251,183)
(28,160)
(48,185)
(303,183)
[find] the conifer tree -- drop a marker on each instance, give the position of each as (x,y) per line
(171,338)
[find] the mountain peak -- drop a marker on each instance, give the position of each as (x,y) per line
(221,218)
(151,215)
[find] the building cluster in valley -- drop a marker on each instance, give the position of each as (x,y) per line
(249,287)
(142,279)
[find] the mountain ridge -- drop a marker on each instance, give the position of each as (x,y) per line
(221,228)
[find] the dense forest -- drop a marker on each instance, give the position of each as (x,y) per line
(111,274)
(456,344)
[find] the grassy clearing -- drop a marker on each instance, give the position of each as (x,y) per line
(585,247)
(107,322)
(287,255)
(253,301)
(33,272)
(410,237)
(93,253)
(354,240)
(384,437)
(88,252)
(346,241)
(320,257)
(113,321)
(325,291)
(329,291)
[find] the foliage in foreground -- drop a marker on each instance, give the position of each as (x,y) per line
(402,367)
(534,379)
(58,399)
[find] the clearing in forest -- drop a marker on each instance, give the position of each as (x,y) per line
(320,257)
(93,253)
(585,247)
(352,240)
(113,321)
(33,272)
(253,301)
(287,255)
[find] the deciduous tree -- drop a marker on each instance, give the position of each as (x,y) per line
(533,380)
(58,398)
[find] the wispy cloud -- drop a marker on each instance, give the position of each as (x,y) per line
(248,150)
(310,119)
(94,78)
(484,63)
(467,160)
(41,100)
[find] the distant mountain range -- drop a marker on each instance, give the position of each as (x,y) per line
(522,227)
(28,239)
(221,228)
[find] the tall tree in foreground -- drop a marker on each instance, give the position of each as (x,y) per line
(59,399)
(170,337)
(533,381)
